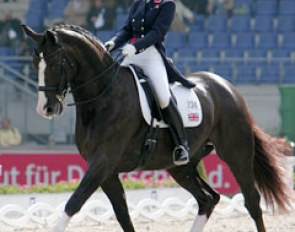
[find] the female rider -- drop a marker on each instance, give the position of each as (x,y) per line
(144,32)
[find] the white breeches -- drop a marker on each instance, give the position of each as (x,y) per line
(153,66)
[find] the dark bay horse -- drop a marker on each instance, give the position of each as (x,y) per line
(110,129)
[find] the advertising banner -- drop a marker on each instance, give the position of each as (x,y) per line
(35,168)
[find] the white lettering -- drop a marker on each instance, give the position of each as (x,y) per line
(146,174)
(161,175)
(131,175)
(192,105)
(14,173)
(42,171)
(215,177)
(5,181)
(75,169)
(54,175)
(29,174)
(40,175)
(10,177)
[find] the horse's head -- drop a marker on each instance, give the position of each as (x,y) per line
(54,69)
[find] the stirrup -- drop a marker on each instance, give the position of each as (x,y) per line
(180,155)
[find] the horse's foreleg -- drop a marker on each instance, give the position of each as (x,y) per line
(115,192)
(94,176)
(188,177)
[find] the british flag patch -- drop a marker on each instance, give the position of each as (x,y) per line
(193,117)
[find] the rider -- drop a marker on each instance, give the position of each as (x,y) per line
(145,31)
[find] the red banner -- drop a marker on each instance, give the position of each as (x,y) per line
(219,175)
(40,168)
(34,168)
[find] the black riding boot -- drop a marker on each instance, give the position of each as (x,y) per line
(173,118)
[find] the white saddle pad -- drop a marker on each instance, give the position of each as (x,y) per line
(187,102)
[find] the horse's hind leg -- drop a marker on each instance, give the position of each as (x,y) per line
(188,177)
(236,148)
(115,192)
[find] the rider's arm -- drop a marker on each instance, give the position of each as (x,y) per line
(125,33)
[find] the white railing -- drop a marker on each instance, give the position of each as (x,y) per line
(101,211)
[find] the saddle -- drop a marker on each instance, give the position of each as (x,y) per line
(186,99)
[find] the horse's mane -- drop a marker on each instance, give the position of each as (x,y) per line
(82,31)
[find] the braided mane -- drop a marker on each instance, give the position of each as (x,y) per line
(82,31)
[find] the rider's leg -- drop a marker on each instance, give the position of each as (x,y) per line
(153,66)
(174,120)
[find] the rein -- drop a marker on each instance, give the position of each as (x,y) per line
(110,84)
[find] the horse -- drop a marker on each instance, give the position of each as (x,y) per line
(110,129)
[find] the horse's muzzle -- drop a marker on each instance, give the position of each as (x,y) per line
(51,110)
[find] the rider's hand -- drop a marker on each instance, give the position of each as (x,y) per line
(109,45)
(129,50)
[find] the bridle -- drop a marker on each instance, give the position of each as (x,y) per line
(62,88)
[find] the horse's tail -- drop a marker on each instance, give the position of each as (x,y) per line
(268,171)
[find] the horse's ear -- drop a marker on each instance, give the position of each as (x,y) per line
(31,33)
(52,36)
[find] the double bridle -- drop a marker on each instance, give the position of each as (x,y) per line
(62,88)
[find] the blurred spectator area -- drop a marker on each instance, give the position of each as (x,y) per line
(19,8)
(257,35)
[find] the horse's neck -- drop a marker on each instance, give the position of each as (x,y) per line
(109,89)
(94,78)
(101,111)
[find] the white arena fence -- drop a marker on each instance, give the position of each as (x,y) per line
(101,211)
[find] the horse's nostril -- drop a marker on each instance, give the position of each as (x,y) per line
(49,110)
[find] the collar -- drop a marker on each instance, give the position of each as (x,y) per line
(155,1)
